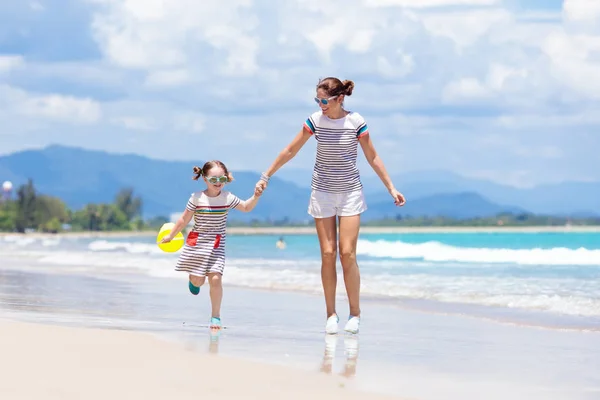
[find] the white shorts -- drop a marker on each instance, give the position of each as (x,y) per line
(325,205)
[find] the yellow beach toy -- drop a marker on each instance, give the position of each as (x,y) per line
(175,244)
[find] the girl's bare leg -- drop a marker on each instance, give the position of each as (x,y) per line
(216,293)
(197,280)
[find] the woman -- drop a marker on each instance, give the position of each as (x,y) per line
(336,190)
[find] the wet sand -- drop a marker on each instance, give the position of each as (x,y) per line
(122,334)
(53,362)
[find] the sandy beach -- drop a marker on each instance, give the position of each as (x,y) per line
(52,362)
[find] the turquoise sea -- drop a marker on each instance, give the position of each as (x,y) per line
(547,279)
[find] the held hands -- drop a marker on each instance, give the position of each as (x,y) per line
(257,191)
(260,186)
(399,199)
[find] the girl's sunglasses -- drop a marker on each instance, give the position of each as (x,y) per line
(324,101)
(217,179)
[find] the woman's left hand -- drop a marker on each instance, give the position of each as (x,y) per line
(399,199)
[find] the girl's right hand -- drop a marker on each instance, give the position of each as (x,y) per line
(166,239)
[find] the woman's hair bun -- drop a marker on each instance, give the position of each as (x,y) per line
(348,87)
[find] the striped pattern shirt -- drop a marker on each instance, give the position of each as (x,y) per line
(335,169)
(204,250)
(210,213)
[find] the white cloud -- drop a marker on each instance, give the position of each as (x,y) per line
(53,107)
(157,117)
(154,34)
(135,123)
(582,10)
(442,54)
(395,70)
(10,62)
(429,3)
(452,71)
(189,122)
(36,6)
(465,27)
(166,78)
(575,61)
(469,89)
(504,78)
(64,108)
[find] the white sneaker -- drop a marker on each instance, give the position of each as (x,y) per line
(331,327)
(352,325)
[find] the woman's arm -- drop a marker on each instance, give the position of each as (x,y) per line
(286,155)
(377,164)
(375,161)
(289,151)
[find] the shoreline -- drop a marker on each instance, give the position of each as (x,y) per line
(310,230)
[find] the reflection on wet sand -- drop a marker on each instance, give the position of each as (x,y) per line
(350,353)
(65,294)
(213,343)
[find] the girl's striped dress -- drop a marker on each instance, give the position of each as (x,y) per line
(204,250)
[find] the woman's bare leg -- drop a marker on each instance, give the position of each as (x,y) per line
(349,229)
(326,231)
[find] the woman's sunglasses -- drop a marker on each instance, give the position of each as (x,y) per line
(324,101)
(217,179)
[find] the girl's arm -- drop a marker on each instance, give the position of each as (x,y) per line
(181,223)
(247,205)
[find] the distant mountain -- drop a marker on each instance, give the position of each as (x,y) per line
(576,199)
(567,198)
(299,177)
(456,205)
(81,176)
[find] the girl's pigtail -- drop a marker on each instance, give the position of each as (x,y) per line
(197,173)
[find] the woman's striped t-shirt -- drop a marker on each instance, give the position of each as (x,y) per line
(210,213)
(335,169)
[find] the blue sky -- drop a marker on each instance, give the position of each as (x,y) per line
(506,90)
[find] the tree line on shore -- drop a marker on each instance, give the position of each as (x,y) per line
(32,211)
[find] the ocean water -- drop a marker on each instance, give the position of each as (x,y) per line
(549,280)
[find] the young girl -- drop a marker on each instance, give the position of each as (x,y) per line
(204,251)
